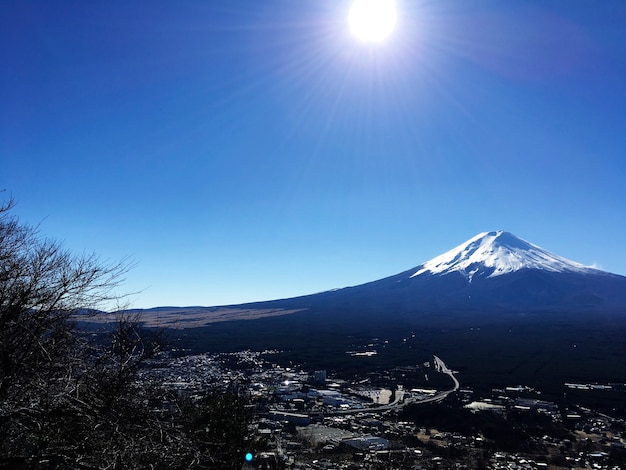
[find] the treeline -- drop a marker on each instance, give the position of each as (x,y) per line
(67,401)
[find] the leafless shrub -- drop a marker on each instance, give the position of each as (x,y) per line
(69,402)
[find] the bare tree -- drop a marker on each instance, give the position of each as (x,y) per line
(42,285)
(217,428)
(67,401)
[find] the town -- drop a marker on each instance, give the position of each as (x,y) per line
(414,418)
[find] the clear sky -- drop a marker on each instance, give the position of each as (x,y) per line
(243,150)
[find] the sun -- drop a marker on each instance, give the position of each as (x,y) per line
(372,20)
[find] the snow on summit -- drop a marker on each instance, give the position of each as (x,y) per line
(491,254)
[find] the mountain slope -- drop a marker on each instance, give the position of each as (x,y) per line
(492,271)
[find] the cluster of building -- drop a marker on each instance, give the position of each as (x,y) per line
(308,420)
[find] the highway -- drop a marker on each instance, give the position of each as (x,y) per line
(399,401)
(442,367)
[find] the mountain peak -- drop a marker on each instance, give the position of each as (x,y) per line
(491,254)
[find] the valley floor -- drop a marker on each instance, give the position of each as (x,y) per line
(385,420)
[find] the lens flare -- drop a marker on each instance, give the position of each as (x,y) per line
(372,20)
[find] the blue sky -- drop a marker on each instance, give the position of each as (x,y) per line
(251,150)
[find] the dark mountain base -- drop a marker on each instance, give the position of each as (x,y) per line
(538,350)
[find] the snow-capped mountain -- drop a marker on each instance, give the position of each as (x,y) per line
(493,271)
(491,254)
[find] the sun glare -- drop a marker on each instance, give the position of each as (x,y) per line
(372,20)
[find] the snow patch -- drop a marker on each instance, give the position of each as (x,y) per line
(492,254)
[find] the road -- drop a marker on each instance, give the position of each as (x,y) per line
(442,367)
(399,401)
